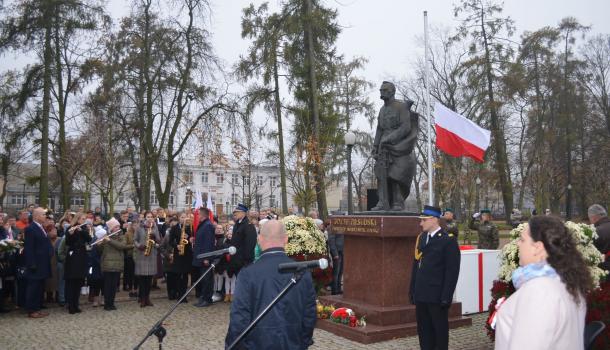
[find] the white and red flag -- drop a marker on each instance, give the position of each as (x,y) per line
(196,205)
(459,136)
(210,206)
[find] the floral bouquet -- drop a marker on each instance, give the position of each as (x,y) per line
(583,234)
(10,245)
(341,315)
(307,242)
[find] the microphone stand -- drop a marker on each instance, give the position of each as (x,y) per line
(296,277)
(158,330)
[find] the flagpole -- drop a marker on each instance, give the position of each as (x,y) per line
(428,114)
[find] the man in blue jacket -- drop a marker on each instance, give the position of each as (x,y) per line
(433,280)
(204,243)
(38,252)
(290,323)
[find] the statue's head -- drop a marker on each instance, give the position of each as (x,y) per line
(387,91)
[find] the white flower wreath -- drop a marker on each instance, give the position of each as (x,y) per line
(304,237)
(583,234)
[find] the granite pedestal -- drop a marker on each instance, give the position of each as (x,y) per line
(378,255)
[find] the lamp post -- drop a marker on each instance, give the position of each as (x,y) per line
(350,140)
(476,199)
(23,203)
(569,203)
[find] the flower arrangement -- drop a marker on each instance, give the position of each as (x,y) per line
(304,237)
(341,315)
(598,309)
(583,234)
(10,245)
(307,242)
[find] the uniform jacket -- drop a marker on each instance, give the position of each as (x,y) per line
(335,243)
(113,257)
(145,265)
(541,315)
(205,241)
(182,263)
(38,252)
(452,228)
(488,234)
(435,274)
(602,243)
(290,323)
(244,240)
(76,266)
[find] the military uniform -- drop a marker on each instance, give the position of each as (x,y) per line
(488,234)
(452,229)
(433,279)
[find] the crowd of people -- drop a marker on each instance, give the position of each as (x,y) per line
(87,255)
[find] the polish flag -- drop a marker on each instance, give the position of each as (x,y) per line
(196,205)
(458,136)
(210,206)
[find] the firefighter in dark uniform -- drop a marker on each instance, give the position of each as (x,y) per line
(433,280)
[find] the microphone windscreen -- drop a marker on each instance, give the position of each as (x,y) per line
(323,263)
(232,250)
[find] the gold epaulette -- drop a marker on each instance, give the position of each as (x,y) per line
(418,253)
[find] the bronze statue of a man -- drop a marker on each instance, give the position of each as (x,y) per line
(395,140)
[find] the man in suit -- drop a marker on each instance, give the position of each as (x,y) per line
(38,252)
(290,324)
(205,241)
(433,279)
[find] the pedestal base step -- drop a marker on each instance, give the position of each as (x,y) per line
(372,333)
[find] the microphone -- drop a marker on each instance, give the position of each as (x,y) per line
(302,265)
(231,250)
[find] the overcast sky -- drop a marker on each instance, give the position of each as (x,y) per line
(384,31)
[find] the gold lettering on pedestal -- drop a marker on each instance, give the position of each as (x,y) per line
(355,225)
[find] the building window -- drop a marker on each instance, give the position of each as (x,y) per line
(247,181)
(220,178)
(171,198)
(153,198)
(77,200)
(17,199)
(121,198)
(204,178)
(273,181)
(188,177)
(259,180)
(259,200)
(188,198)
(272,201)
(235,179)
(234,199)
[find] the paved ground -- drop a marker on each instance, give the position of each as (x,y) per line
(188,328)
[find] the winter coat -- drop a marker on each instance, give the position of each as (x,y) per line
(182,263)
(244,241)
(541,315)
(38,252)
(75,265)
(145,265)
(290,323)
(113,259)
(602,243)
(205,241)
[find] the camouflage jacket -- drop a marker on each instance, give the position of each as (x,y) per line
(452,228)
(488,234)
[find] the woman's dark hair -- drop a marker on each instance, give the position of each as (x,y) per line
(562,254)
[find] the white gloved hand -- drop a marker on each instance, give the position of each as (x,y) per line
(476,215)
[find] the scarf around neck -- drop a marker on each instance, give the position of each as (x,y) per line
(528,272)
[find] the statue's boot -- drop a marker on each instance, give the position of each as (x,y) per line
(397,204)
